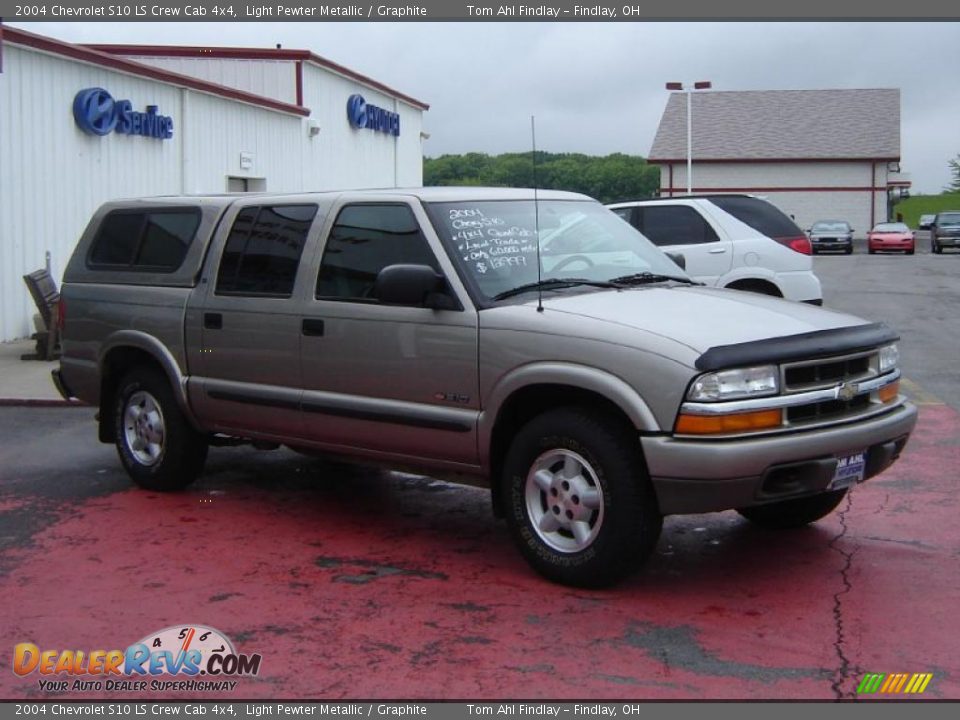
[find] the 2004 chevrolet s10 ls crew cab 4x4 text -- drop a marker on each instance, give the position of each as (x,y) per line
(535,344)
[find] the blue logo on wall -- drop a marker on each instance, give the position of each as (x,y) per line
(362,115)
(96,112)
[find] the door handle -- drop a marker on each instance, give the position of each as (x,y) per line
(718,251)
(312,327)
(213,321)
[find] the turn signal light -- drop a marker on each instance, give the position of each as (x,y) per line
(736,422)
(889,392)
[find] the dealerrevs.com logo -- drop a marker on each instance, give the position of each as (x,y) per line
(197,657)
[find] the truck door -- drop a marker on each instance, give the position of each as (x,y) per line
(388,379)
(247,317)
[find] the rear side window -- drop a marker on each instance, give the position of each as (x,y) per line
(364,240)
(144,240)
(263,250)
(760,215)
(675,225)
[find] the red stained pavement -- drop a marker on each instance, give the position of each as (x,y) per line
(358,584)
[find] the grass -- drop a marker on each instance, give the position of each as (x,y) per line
(912,208)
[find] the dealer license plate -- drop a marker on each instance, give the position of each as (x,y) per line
(849,470)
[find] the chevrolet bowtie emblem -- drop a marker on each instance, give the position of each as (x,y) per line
(847,391)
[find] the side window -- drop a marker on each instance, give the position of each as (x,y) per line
(144,240)
(625,213)
(263,250)
(364,240)
(676,225)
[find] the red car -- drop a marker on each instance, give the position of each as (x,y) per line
(890,236)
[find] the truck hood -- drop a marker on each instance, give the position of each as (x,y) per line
(700,318)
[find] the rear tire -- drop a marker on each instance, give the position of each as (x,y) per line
(796,513)
(156,444)
(577,498)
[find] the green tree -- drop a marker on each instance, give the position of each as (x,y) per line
(608,179)
(954,185)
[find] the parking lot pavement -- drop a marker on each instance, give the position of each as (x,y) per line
(357,584)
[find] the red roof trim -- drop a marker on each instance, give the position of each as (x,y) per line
(773,160)
(86,54)
(255,54)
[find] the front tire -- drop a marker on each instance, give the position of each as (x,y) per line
(579,504)
(796,513)
(156,444)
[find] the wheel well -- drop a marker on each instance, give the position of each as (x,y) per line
(765,287)
(116,364)
(529,402)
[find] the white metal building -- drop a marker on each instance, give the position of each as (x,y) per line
(816,154)
(80,125)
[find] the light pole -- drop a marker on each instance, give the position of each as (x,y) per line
(702,85)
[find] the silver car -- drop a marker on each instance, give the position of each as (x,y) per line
(831,235)
(532,343)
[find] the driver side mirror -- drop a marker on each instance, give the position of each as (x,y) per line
(414,285)
(679,258)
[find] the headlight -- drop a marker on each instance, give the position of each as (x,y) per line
(736,384)
(889,357)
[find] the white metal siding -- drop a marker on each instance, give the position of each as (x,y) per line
(53,175)
(342,157)
(274,79)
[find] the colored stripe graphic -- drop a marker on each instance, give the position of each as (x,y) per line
(870,683)
(894,683)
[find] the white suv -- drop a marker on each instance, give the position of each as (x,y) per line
(733,241)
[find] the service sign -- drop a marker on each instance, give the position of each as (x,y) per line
(97,113)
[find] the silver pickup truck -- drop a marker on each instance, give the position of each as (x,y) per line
(532,343)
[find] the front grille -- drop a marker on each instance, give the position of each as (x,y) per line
(825,373)
(827,410)
(828,373)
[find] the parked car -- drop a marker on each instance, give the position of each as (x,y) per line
(831,235)
(733,241)
(890,236)
(945,231)
(591,384)
(926,221)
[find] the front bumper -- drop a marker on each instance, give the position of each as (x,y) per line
(833,244)
(890,245)
(696,476)
(948,240)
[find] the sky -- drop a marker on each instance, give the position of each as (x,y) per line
(598,88)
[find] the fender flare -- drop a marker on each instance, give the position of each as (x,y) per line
(609,386)
(159,352)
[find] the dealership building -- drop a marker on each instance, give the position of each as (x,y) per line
(80,125)
(816,154)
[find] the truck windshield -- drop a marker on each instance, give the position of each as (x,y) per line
(495,245)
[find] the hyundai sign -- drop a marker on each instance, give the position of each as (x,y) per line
(96,112)
(362,115)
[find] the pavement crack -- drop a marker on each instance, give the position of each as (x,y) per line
(843,672)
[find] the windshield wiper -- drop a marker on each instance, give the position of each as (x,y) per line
(643,278)
(554,284)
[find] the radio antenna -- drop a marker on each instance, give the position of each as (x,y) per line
(536,210)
